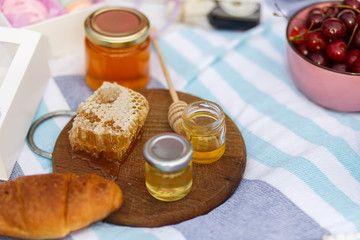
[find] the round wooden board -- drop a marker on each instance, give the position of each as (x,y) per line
(212,183)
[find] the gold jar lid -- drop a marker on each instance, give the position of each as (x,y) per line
(117,27)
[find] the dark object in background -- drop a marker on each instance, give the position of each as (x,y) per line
(220,17)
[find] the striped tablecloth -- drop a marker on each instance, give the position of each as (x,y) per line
(302,179)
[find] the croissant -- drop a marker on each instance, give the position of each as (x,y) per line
(52,205)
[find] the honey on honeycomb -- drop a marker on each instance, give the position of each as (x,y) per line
(109,121)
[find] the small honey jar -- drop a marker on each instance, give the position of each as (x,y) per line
(204,126)
(168,166)
(117,47)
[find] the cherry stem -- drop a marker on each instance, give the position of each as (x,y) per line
(281,13)
(299,36)
(314,30)
(347,6)
(352,35)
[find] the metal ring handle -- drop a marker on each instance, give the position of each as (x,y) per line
(30,135)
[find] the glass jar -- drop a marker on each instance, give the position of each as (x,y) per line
(204,126)
(117,47)
(168,166)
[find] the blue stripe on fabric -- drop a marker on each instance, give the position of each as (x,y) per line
(296,123)
(45,136)
(274,40)
(259,58)
(346,119)
(106,231)
(230,35)
(306,171)
(202,43)
(177,61)
(41,110)
(300,167)
(196,88)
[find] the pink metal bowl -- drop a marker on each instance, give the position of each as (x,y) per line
(327,87)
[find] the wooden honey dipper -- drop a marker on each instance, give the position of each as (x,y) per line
(177,107)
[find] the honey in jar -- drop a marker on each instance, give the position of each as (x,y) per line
(117,47)
(168,166)
(204,126)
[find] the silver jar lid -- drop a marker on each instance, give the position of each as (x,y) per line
(168,152)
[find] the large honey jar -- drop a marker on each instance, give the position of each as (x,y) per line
(117,47)
(168,166)
(204,126)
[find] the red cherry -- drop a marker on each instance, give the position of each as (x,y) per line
(316,41)
(314,20)
(319,58)
(333,28)
(351,56)
(315,11)
(298,34)
(356,66)
(341,67)
(302,49)
(352,3)
(336,51)
(355,42)
(331,11)
(349,19)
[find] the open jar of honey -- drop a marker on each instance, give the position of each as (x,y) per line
(204,126)
(117,47)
